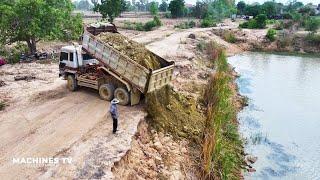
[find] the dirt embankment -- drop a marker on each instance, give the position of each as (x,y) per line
(255,40)
(164,156)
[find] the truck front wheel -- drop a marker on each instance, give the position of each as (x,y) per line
(106,92)
(122,95)
(72,83)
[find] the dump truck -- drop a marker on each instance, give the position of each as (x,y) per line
(97,65)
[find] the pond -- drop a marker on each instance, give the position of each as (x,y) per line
(281,124)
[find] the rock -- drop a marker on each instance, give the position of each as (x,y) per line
(192,36)
(27,78)
(184,150)
(2,83)
(251,159)
(158,146)
(251,170)
(158,159)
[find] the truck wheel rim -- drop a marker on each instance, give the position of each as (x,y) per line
(105,93)
(70,85)
(121,96)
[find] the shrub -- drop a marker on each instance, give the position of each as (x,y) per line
(271,34)
(261,21)
(229,37)
(271,21)
(192,23)
(251,24)
(13,54)
(313,38)
(312,24)
(288,24)
(139,26)
(143,27)
(168,15)
(279,25)
(149,25)
(2,105)
(157,20)
(186,25)
(208,22)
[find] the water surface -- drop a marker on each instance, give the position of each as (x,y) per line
(281,125)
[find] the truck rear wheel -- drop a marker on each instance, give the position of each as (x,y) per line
(106,92)
(72,83)
(122,95)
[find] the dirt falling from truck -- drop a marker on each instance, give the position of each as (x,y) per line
(174,113)
(132,49)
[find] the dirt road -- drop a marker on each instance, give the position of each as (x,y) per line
(53,122)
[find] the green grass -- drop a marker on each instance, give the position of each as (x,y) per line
(2,105)
(222,146)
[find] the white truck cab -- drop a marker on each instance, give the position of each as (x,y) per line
(73,57)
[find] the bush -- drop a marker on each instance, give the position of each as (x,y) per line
(259,22)
(2,105)
(157,21)
(13,54)
(279,25)
(186,25)
(229,37)
(143,27)
(139,26)
(251,24)
(271,34)
(271,21)
(312,24)
(313,38)
(168,15)
(149,25)
(208,22)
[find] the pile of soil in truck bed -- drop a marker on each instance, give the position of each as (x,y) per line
(132,49)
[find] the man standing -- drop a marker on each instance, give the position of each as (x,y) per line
(114,114)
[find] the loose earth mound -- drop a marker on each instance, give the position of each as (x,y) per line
(132,49)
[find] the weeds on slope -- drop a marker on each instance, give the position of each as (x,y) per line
(221,146)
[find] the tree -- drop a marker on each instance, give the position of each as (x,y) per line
(33,20)
(219,9)
(83,5)
(253,10)
(109,8)
(154,8)
(269,8)
(176,8)
(241,6)
(312,24)
(200,10)
(261,20)
(163,6)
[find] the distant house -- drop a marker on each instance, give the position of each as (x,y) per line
(188,5)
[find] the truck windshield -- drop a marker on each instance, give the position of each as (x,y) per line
(86,57)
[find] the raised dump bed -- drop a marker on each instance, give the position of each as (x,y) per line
(141,78)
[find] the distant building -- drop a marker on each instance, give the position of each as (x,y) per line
(188,5)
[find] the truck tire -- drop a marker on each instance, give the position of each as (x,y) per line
(72,83)
(106,92)
(122,95)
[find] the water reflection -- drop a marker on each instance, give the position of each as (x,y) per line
(281,123)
